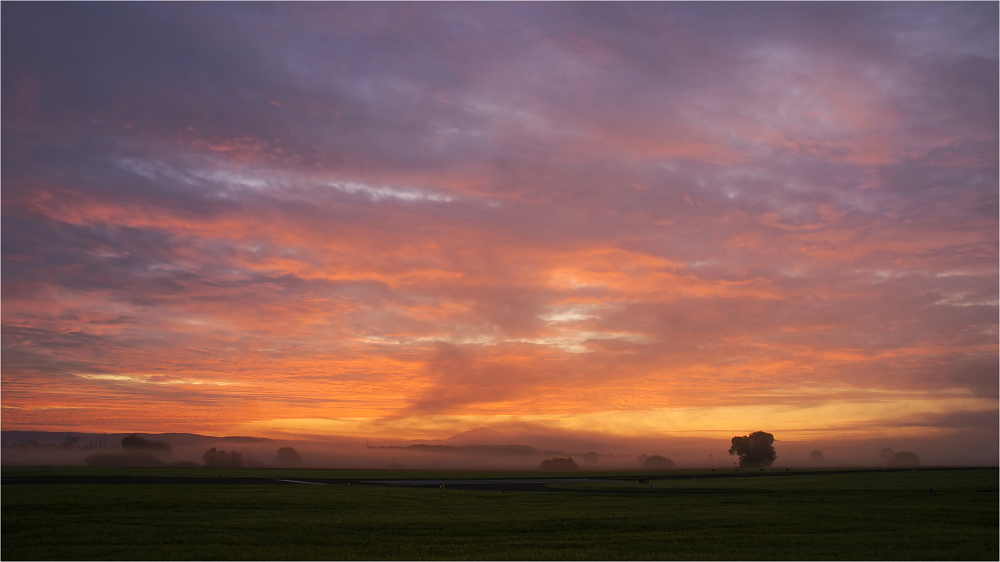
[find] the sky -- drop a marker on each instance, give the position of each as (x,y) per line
(407,220)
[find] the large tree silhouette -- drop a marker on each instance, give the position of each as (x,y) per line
(755,450)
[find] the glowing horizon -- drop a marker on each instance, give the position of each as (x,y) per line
(408,220)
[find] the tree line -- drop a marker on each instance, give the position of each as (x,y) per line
(140,452)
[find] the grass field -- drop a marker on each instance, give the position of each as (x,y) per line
(321,474)
(842,515)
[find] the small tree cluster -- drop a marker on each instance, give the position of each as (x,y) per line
(222,459)
(900,459)
(558,464)
(654,462)
(904,458)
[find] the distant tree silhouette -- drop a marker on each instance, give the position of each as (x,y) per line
(903,458)
(591,457)
(755,450)
(886,455)
(816,456)
(655,462)
(558,464)
(288,456)
(221,459)
(139,443)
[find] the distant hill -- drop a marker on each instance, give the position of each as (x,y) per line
(479,436)
(496,450)
(479,441)
(243,439)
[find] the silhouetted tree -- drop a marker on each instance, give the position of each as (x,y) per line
(886,455)
(558,464)
(816,456)
(221,459)
(655,462)
(591,457)
(288,456)
(903,458)
(755,450)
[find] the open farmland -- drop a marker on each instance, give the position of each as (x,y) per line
(676,515)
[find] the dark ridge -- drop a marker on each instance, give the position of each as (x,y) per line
(477,449)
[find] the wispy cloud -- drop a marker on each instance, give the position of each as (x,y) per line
(152,379)
(228,178)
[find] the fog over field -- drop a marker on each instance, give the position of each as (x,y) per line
(485,449)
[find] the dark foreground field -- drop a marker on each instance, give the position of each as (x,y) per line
(867,515)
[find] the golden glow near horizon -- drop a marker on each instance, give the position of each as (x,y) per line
(404,221)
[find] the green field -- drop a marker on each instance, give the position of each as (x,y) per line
(840,515)
(305,473)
